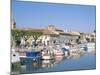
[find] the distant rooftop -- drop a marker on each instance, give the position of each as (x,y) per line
(50,30)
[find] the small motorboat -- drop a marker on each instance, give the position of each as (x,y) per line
(58,52)
(46,55)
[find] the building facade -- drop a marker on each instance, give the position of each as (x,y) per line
(52,36)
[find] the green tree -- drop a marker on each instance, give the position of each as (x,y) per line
(36,35)
(18,34)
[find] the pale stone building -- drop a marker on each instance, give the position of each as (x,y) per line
(88,37)
(52,35)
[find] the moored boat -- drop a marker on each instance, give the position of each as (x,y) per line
(58,52)
(31,56)
(66,51)
(46,55)
(14,56)
(90,47)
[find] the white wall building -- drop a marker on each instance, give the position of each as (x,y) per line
(52,35)
(56,36)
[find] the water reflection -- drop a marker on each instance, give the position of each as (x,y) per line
(60,63)
(47,63)
(35,66)
(75,56)
(31,66)
(58,59)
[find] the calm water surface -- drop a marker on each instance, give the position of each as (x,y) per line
(85,62)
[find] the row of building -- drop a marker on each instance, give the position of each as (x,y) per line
(52,35)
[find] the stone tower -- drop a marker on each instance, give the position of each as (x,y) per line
(13,23)
(51,27)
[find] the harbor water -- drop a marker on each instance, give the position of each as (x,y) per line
(77,62)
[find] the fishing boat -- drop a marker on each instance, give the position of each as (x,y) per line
(31,56)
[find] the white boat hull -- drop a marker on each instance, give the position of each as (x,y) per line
(90,47)
(15,57)
(46,57)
